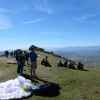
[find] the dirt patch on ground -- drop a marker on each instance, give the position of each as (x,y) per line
(1,73)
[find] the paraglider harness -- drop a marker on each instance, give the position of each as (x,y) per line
(44,89)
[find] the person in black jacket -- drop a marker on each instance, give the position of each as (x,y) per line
(46,63)
(21,62)
(43,62)
(80,66)
(60,64)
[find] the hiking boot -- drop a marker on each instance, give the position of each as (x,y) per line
(31,76)
(35,77)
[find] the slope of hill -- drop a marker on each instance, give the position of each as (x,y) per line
(74,84)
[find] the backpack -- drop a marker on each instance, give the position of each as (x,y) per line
(44,89)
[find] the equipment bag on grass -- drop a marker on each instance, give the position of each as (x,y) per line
(44,89)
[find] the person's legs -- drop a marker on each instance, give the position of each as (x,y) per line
(33,68)
(18,68)
(21,68)
(31,71)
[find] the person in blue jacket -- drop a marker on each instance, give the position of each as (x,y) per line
(33,59)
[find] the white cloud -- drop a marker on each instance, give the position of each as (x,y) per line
(42,5)
(23,7)
(4,23)
(87,16)
(79,5)
(4,20)
(69,5)
(37,20)
(7,11)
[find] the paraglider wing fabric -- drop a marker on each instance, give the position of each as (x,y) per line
(11,61)
(12,89)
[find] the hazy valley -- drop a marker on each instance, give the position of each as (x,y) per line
(90,55)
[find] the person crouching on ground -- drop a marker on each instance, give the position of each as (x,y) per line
(80,66)
(33,59)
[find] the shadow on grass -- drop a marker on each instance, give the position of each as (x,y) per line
(83,70)
(29,77)
(44,81)
(76,69)
(79,69)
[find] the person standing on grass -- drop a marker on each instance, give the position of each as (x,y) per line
(6,53)
(21,62)
(33,59)
(14,53)
(27,58)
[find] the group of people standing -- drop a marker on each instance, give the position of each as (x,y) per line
(20,57)
(7,53)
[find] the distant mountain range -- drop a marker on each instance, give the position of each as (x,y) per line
(1,52)
(89,55)
(78,48)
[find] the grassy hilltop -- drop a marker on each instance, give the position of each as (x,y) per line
(74,84)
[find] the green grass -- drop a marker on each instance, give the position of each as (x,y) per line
(74,84)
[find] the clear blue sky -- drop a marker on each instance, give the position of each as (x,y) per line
(49,23)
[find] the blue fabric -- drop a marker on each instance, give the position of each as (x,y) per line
(32,56)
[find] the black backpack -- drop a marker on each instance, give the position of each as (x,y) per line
(44,89)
